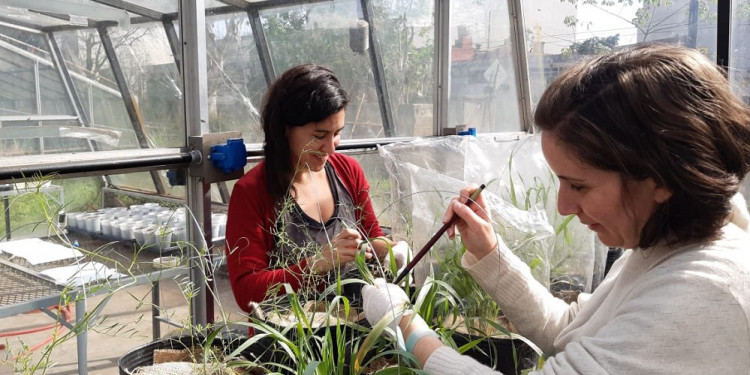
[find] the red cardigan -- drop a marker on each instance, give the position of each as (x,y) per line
(251,219)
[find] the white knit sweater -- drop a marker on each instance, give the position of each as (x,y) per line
(658,311)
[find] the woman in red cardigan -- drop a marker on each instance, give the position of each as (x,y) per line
(299,216)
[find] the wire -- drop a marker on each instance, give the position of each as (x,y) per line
(64,312)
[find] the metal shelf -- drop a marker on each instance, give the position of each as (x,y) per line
(21,289)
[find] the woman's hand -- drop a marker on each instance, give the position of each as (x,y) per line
(381,299)
(341,250)
(473,223)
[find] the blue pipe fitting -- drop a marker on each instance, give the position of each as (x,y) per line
(229,157)
(470,131)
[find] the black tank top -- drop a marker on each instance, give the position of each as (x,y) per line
(299,236)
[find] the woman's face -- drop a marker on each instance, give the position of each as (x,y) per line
(312,143)
(615,209)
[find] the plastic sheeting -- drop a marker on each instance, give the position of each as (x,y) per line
(109,137)
(521,195)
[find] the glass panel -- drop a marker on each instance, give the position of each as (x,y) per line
(65,143)
(162,6)
(739,57)
(17,86)
(208,4)
(95,85)
(560,33)
(55,100)
(151,76)
(23,16)
(17,147)
(19,52)
(154,82)
(380,185)
(92,211)
(319,33)
(236,82)
(30,206)
(739,60)
(30,43)
(483,85)
(142,181)
(406,37)
(109,113)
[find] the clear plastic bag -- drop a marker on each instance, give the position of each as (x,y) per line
(521,195)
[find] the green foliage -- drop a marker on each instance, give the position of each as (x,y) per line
(592,46)
(475,302)
(644,19)
(324,329)
(31,208)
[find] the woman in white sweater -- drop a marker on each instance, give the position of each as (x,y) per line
(650,147)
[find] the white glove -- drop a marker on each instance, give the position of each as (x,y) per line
(383,299)
(401,254)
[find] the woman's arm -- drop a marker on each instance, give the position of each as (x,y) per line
(249,238)
(507,279)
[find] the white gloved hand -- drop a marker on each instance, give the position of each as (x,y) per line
(401,254)
(383,299)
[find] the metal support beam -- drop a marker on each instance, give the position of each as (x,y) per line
(210,291)
(241,4)
(224,191)
(67,81)
(133,8)
(260,5)
(155,314)
(441,70)
(77,164)
(91,12)
(38,101)
(195,99)
(723,33)
(521,68)
(20,25)
(268,4)
(266,63)
(6,204)
(82,323)
(378,72)
(64,74)
(130,104)
(174,43)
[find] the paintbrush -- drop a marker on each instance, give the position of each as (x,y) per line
(435,237)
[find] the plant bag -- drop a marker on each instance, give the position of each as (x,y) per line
(521,196)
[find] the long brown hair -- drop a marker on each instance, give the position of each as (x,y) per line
(303,94)
(663,112)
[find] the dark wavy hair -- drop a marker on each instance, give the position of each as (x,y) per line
(663,112)
(303,94)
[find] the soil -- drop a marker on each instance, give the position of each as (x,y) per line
(195,355)
(316,313)
(481,328)
(378,364)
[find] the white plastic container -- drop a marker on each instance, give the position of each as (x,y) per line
(126,231)
(73,220)
(106,227)
(93,223)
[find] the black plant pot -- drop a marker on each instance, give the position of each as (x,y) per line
(499,352)
(260,352)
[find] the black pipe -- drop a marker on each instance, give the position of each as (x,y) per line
(180,160)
